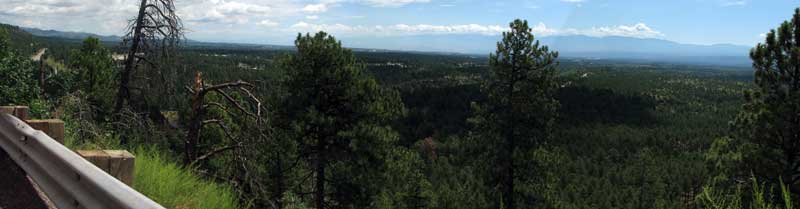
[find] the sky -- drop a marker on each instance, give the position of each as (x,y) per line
(706,22)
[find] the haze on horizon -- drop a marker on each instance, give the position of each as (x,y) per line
(371,22)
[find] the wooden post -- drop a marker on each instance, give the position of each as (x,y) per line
(117,163)
(20,112)
(52,127)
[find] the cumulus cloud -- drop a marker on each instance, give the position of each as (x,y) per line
(100,16)
(639,30)
(316,8)
(234,12)
(324,5)
(267,23)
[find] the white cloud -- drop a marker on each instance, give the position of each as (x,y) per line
(392,3)
(99,16)
(312,17)
(267,23)
(763,35)
(316,8)
(728,3)
(337,28)
(399,29)
(211,13)
(639,30)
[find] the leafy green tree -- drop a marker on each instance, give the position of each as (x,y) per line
(95,73)
(341,118)
(769,123)
(17,75)
(519,110)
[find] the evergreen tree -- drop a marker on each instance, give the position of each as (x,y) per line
(340,117)
(95,73)
(519,110)
(769,123)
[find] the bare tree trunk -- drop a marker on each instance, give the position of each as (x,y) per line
(280,188)
(508,182)
(195,124)
(123,94)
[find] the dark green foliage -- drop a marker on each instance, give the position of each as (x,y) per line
(95,74)
(437,111)
(518,113)
(340,118)
(18,84)
(581,104)
(765,137)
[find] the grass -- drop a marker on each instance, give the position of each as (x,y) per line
(175,187)
(159,177)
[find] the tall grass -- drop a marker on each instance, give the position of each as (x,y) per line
(170,185)
(156,174)
(761,197)
(176,187)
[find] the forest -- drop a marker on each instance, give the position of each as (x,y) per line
(320,125)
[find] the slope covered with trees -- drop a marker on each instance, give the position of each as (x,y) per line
(323,126)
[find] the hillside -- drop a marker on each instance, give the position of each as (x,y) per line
(69,35)
(20,40)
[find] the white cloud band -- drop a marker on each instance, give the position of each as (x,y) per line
(639,30)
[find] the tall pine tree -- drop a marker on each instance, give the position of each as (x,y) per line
(519,111)
(340,117)
(769,123)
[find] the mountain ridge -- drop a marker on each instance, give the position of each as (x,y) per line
(569,46)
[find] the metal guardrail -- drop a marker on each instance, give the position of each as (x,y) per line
(67,179)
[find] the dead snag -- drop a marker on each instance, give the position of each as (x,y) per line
(199,107)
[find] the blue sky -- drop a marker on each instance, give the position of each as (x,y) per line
(278,21)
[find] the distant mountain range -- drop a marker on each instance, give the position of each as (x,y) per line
(573,46)
(69,35)
(576,46)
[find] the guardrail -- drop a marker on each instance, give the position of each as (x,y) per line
(68,180)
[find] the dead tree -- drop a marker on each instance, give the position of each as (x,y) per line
(152,37)
(199,109)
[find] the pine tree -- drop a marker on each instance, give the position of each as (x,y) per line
(340,117)
(95,73)
(520,109)
(770,120)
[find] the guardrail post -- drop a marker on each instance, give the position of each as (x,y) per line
(117,163)
(20,112)
(52,127)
